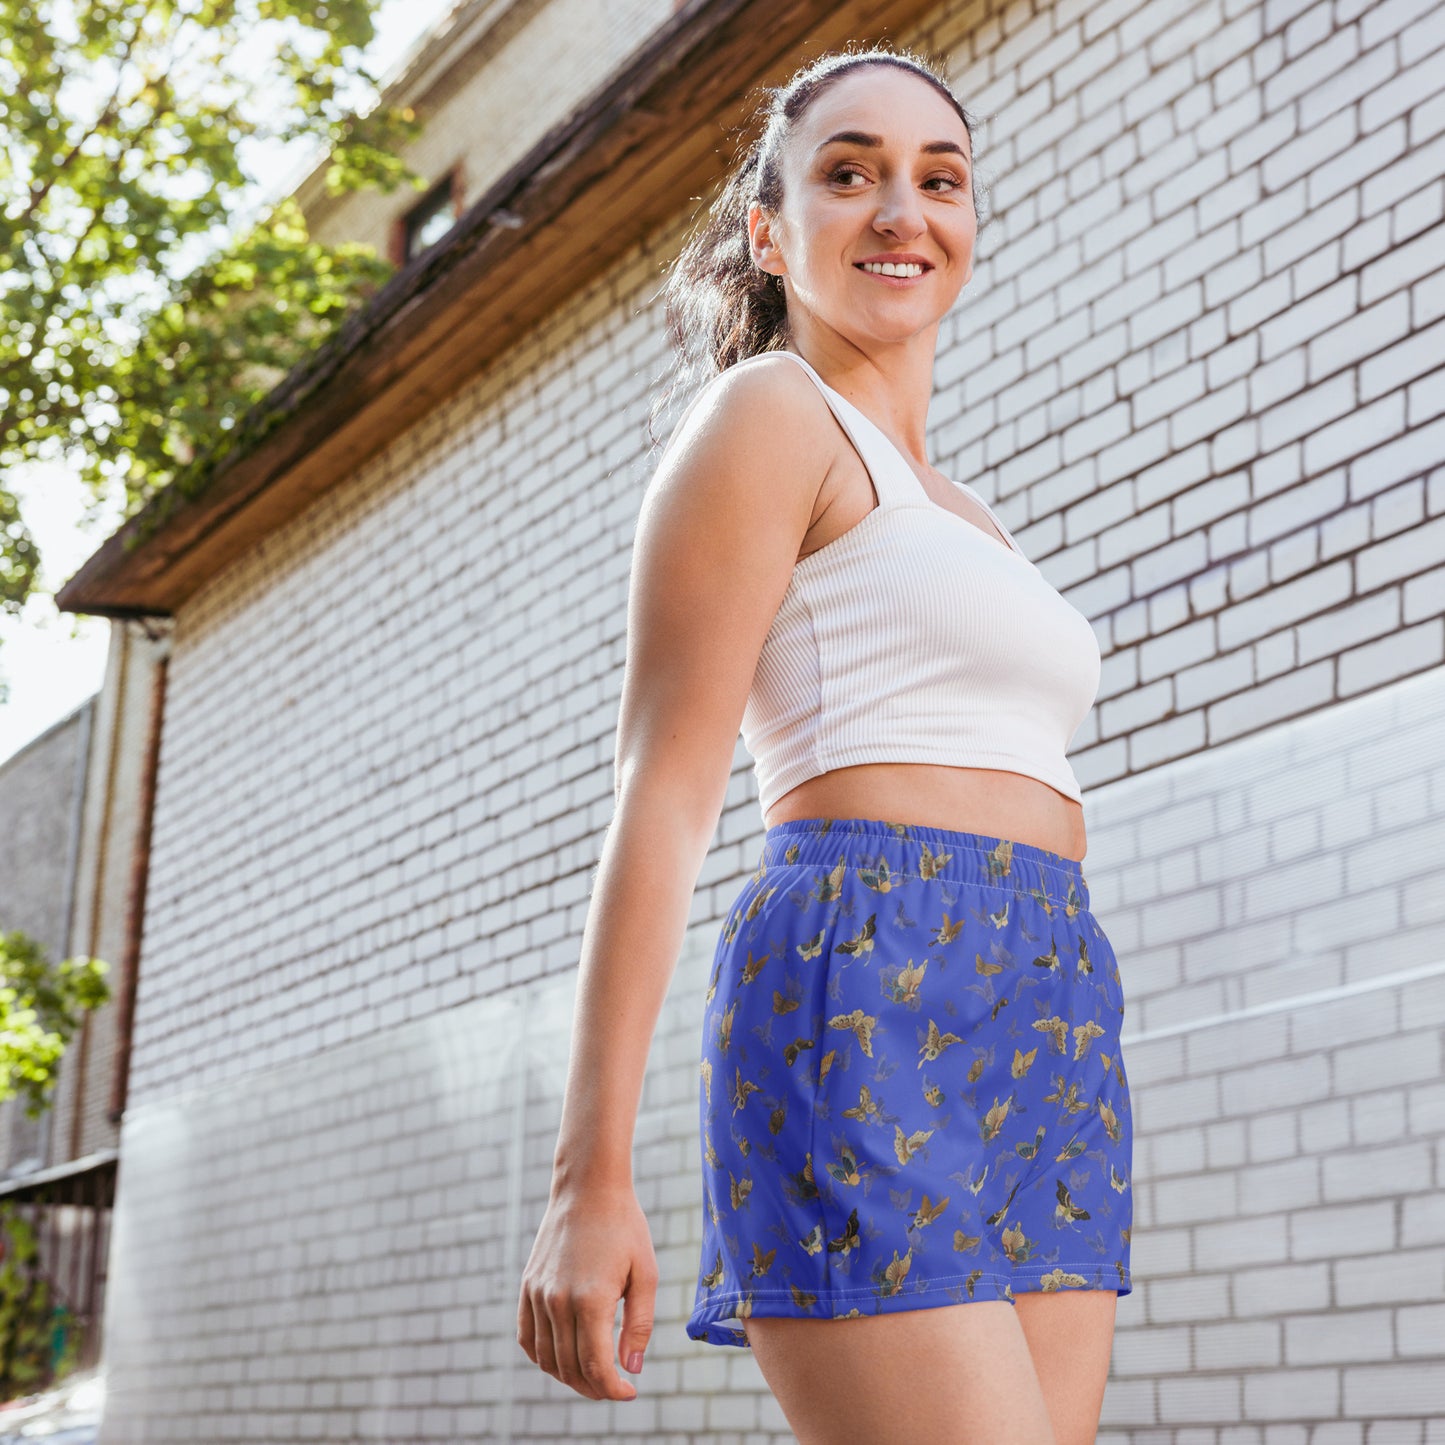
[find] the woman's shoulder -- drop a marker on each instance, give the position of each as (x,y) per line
(769,391)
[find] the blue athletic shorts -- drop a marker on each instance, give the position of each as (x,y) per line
(912,1092)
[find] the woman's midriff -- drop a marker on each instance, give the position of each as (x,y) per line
(991,801)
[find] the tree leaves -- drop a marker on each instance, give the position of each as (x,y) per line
(41,1006)
(143,313)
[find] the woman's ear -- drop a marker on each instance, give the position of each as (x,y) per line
(766,255)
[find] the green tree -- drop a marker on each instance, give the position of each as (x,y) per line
(41,1005)
(143,308)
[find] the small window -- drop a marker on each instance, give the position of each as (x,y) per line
(429,220)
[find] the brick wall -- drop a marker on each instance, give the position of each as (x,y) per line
(1194,371)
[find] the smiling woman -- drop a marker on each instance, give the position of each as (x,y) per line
(913,1111)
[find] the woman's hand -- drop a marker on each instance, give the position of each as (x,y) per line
(593,1248)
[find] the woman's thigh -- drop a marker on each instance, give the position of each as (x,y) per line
(1071,1337)
(951,1375)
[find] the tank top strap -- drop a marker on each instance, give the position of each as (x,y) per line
(894,480)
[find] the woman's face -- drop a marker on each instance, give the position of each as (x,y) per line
(878,167)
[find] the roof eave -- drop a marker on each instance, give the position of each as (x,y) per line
(597,184)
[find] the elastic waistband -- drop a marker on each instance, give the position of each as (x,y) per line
(957,856)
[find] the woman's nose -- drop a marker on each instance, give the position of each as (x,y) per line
(899,211)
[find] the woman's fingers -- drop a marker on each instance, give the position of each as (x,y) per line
(582,1263)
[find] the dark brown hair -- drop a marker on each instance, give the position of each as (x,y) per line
(719,307)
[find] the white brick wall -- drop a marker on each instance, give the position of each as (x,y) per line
(1277,907)
(1194,370)
(1200,338)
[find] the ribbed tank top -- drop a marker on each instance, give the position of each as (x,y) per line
(915,637)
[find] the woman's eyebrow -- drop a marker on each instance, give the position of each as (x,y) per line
(863,138)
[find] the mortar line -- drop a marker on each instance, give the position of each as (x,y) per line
(1294,1001)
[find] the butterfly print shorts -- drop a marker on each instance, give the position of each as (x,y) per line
(912,1092)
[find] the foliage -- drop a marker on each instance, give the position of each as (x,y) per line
(143,312)
(40,1008)
(30,1314)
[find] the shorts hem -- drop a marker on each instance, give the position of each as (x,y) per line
(716,1322)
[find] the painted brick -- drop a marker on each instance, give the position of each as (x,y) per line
(1199,364)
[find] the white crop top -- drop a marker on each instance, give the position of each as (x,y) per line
(915,637)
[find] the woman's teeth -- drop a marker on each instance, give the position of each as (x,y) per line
(892,268)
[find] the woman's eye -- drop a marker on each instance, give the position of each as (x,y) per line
(837,174)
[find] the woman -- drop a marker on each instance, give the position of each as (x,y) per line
(915,1128)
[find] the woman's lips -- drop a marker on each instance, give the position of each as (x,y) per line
(897,281)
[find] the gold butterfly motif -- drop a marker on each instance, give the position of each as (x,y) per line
(1056,1028)
(904,989)
(792,1050)
(894,1274)
(929,863)
(1043,900)
(860,1024)
(1017,1246)
(1071,1150)
(927,1212)
(1066,1211)
(1026,1150)
(1000,859)
(813,947)
(762,1263)
(935,1044)
(742,1089)
(993,1120)
(1073,903)
(846,1172)
(850,1239)
(830,885)
(862,941)
(905,1146)
(947,931)
(739,1189)
(758,903)
(1111,1121)
(865,1109)
(1067,1095)
(1084,1034)
(1051,959)
(881,879)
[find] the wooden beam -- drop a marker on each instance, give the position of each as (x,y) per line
(625,162)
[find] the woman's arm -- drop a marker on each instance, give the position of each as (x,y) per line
(718,534)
